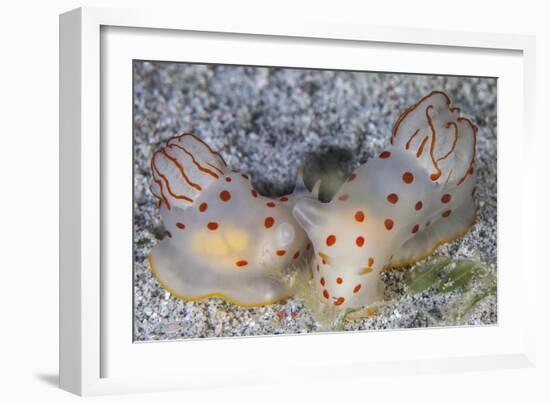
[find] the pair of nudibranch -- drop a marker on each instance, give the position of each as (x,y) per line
(224,239)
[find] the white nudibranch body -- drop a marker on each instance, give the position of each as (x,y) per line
(396,208)
(223,238)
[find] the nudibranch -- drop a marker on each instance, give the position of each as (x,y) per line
(397,207)
(223,238)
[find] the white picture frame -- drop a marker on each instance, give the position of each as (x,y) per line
(96,354)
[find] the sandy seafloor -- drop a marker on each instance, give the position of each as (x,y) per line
(266,122)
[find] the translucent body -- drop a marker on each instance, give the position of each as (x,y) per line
(396,208)
(224,239)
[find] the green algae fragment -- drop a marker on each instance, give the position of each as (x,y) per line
(425,276)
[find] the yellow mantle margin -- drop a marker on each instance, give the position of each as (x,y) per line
(210,295)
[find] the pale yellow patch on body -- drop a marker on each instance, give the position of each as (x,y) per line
(225,246)
(237,239)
